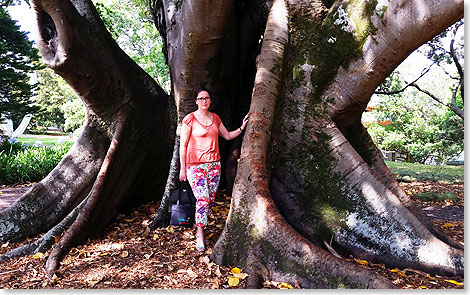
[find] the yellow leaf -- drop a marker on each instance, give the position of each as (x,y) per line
(454,282)
(401,274)
(285,286)
(170,229)
(38,255)
(57,239)
(241,276)
(395,270)
(363,262)
(235,270)
(233,281)
(423,287)
(209,236)
(447,225)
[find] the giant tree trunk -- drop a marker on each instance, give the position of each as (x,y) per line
(314,172)
(121,158)
(308,174)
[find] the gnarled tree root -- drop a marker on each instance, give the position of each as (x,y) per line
(48,201)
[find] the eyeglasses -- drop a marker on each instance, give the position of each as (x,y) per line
(203,98)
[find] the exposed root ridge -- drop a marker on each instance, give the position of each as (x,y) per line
(78,229)
(47,240)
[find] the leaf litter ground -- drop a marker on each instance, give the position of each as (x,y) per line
(128,256)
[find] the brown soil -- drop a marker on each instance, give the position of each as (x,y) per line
(128,256)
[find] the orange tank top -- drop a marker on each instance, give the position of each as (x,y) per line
(203,144)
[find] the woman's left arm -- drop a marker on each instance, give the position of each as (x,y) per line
(229,135)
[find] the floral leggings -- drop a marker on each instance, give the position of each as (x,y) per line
(204,180)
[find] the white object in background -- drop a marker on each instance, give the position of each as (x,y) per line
(24,123)
(6,126)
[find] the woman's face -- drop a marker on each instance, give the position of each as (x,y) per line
(203,100)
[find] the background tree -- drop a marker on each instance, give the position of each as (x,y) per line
(130,24)
(426,117)
(18,59)
(309,174)
(58,104)
(420,128)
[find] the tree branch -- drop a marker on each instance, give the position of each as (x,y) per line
(453,105)
(424,72)
(457,63)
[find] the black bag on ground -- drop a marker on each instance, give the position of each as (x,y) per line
(183,193)
(182,213)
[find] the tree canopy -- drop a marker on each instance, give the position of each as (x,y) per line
(18,59)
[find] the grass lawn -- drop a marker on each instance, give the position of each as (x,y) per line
(418,172)
(45,139)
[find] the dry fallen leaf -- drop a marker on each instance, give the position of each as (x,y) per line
(217,271)
(285,286)
(233,281)
(124,254)
(454,282)
(241,276)
(363,262)
(448,224)
(235,270)
(38,255)
(204,259)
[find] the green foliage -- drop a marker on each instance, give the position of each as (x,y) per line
(11,146)
(29,163)
(420,129)
(18,58)
(58,104)
(435,196)
(74,113)
(130,25)
(409,172)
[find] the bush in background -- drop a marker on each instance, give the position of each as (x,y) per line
(20,163)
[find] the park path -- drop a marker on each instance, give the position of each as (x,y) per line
(9,194)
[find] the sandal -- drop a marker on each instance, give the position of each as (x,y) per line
(200,247)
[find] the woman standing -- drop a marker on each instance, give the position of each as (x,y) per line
(200,157)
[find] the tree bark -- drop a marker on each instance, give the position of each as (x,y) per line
(122,157)
(308,174)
